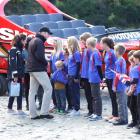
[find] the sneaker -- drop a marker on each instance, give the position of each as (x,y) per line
(131,125)
(52,110)
(74,113)
(62,112)
(91,116)
(88,115)
(113,120)
(119,122)
(57,111)
(96,118)
(11,111)
(69,110)
(108,118)
(46,116)
(20,112)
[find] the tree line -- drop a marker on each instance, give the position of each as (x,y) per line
(119,13)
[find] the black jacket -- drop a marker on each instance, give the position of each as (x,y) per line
(36,55)
(16,62)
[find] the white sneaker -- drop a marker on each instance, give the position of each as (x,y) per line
(91,116)
(20,112)
(71,112)
(74,113)
(11,111)
(96,118)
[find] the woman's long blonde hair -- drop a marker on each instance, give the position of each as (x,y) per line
(59,47)
(73,44)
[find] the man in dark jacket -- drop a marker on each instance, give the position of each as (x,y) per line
(36,66)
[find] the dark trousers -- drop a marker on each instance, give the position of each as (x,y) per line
(53,95)
(74,91)
(26,87)
(113,98)
(138,109)
(68,97)
(96,100)
(87,88)
(19,99)
(60,99)
(132,105)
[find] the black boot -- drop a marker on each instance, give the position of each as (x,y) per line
(48,116)
(131,125)
(120,122)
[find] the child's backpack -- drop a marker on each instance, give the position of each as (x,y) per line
(13,60)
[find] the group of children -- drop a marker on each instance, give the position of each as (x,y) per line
(72,67)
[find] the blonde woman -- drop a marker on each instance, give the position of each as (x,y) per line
(57,54)
(73,74)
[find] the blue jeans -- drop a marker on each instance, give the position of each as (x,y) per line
(122,106)
(60,98)
(74,92)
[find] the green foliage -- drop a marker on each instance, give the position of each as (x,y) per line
(21,7)
(121,13)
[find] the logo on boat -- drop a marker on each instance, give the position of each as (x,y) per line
(7,34)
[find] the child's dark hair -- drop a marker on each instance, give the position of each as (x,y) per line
(137,54)
(108,41)
(131,53)
(16,42)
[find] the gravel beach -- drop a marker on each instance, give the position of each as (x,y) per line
(14,127)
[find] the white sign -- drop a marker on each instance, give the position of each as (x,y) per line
(125,36)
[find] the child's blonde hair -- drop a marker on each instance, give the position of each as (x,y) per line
(59,46)
(120,49)
(91,41)
(73,44)
(85,36)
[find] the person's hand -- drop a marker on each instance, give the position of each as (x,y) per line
(133,88)
(129,92)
